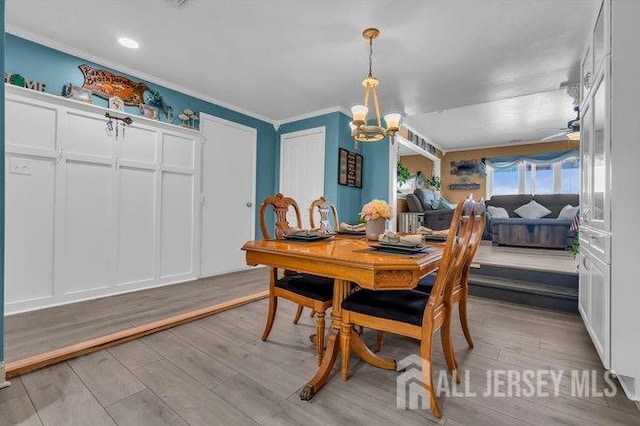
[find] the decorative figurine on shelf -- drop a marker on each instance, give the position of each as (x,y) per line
(189,119)
(157,101)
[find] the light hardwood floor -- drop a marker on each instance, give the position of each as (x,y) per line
(33,333)
(526,258)
(217,371)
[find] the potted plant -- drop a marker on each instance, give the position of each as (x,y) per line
(433,182)
(403,173)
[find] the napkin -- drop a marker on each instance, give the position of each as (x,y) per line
(359,227)
(427,231)
(410,240)
(303,232)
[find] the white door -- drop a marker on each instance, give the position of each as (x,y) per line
(228,187)
(302,169)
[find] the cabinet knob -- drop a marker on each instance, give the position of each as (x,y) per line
(249,204)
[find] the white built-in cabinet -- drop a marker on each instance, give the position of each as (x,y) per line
(89,215)
(609,288)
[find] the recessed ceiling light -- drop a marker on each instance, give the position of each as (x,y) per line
(127,42)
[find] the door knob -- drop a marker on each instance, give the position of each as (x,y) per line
(249,204)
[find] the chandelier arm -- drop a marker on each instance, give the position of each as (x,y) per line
(375,102)
(366,97)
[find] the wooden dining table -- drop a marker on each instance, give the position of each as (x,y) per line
(350,262)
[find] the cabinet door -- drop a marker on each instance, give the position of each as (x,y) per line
(599,315)
(585,164)
(600,155)
(584,289)
(586,72)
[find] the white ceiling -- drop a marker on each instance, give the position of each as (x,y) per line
(280,59)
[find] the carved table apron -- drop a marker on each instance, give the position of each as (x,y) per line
(348,261)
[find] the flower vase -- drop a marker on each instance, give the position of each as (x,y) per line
(374,228)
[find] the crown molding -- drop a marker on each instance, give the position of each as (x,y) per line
(45,41)
(312,114)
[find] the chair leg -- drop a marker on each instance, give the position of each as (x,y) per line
(379,340)
(345,343)
(319,335)
(313,313)
(298,313)
(449,353)
(464,321)
(427,379)
(273,307)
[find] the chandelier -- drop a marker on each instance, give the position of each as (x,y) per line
(360,130)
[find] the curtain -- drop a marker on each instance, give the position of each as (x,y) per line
(543,158)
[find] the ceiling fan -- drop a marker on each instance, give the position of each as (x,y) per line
(572,131)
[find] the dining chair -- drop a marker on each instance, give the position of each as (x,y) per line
(460,292)
(413,313)
(306,290)
(324,207)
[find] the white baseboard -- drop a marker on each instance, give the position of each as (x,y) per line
(3,381)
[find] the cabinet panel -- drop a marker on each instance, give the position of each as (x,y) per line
(177,224)
(584,289)
(30,125)
(600,157)
(86,134)
(599,312)
(136,218)
(138,145)
(29,236)
(585,162)
(178,151)
(88,227)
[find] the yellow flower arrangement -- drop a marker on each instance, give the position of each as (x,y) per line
(375,209)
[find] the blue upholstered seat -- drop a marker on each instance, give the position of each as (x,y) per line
(312,286)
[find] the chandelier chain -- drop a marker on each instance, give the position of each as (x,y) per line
(370,57)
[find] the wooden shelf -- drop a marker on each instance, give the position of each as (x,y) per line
(464,186)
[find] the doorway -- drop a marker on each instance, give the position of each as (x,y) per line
(228,194)
(302,168)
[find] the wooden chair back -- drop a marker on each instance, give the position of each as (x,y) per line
(474,243)
(453,258)
(324,207)
(281,206)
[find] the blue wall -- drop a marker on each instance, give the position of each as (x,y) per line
(347,199)
(2,190)
(56,69)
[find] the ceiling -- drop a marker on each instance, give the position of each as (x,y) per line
(279,59)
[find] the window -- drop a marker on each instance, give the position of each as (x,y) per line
(528,178)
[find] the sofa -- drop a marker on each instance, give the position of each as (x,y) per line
(546,232)
(433,210)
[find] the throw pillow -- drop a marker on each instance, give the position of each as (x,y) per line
(532,210)
(568,212)
(498,212)
(442,204)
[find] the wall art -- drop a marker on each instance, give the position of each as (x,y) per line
(349,168)
(105,84)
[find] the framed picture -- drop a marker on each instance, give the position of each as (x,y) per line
(149,111)
(349,168)
(116,104)
(77,93)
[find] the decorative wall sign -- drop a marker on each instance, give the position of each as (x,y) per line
(464,167)
(116,104)
(18,80)
(349,168)
(105,84)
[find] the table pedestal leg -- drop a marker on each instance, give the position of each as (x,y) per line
(369,357)
(341,289)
